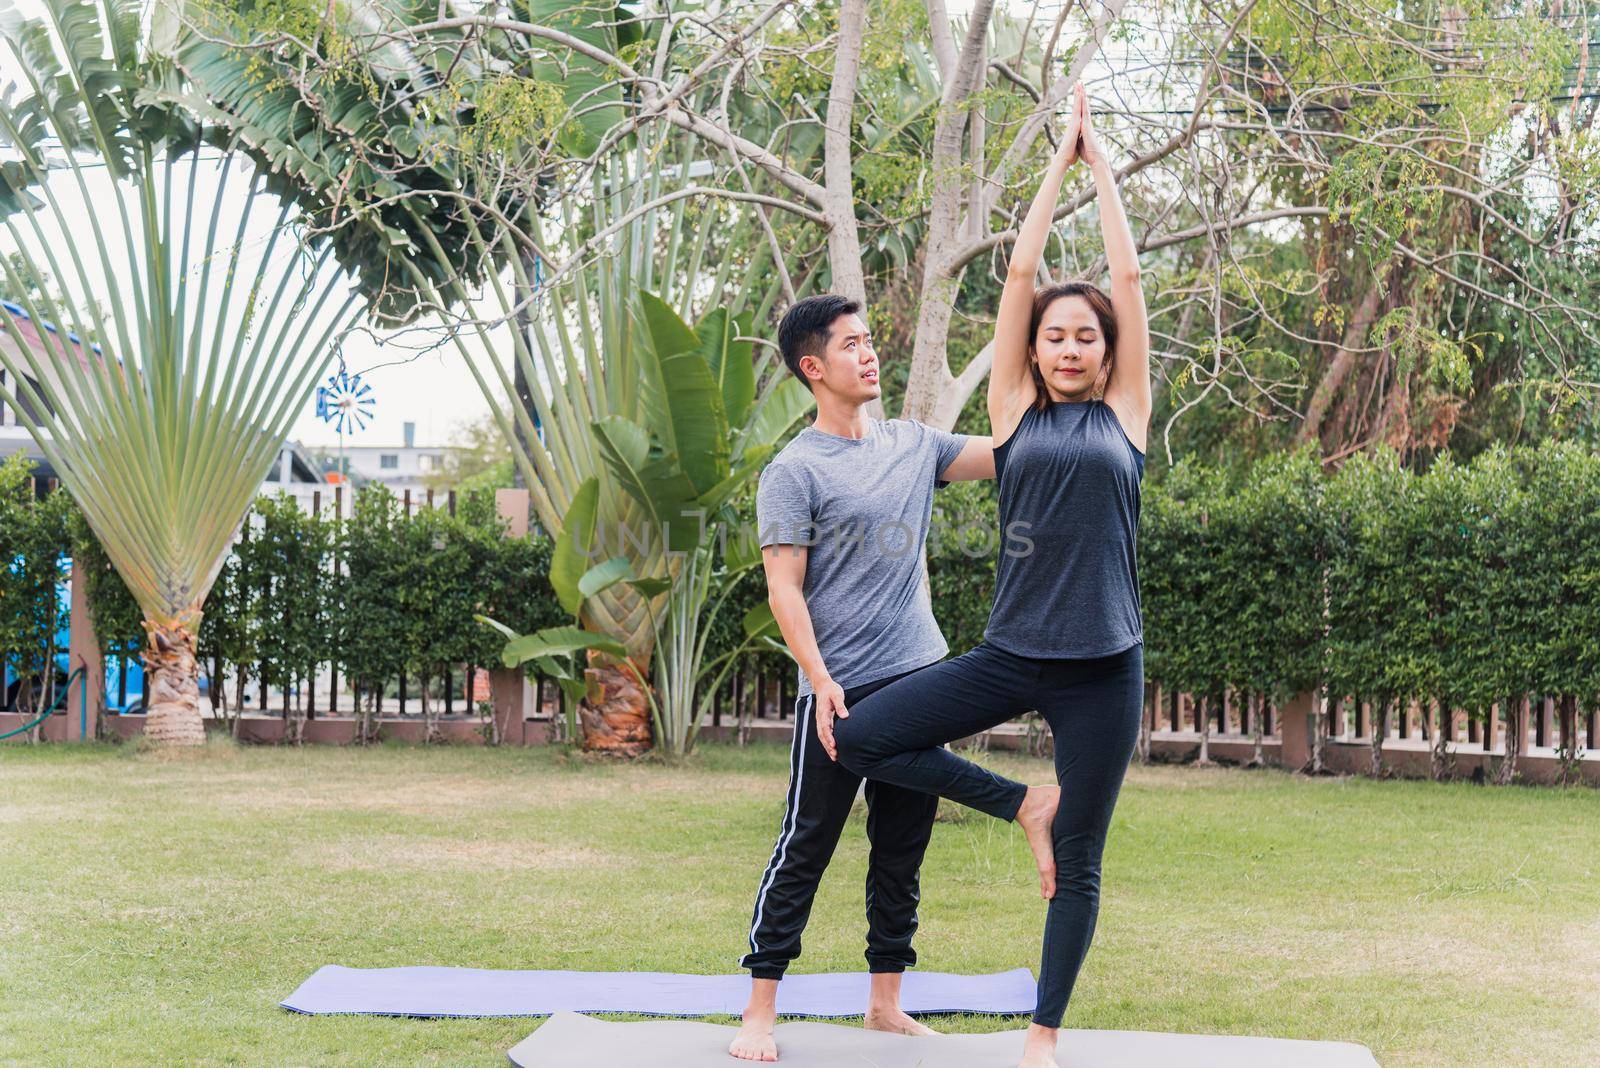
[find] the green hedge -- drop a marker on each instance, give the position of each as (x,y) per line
(1468,584)
(378,595)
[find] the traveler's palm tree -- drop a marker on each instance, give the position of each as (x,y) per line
(196,334)
(607,388)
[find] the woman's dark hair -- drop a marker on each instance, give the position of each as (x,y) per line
(1099,303)
(804,329)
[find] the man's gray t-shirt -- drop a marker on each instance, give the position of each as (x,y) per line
(862,507)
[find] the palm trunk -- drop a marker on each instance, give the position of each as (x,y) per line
(172,687)
(615,715)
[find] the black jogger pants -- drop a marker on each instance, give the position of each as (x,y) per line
(821,793)
(1092,707)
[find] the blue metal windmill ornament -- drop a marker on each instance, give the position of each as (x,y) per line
(347,403)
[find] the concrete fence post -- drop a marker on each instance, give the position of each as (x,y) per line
(83,650)
(509,692)
(1294,728)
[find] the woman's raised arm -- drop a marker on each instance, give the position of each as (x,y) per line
(1011,387)
(1128,388)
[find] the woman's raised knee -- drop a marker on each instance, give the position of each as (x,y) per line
(848,744)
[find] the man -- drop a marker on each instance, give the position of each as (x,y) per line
(843,514)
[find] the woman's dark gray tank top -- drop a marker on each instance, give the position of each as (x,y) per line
(1067,583)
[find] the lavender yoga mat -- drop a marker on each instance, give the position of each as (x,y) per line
(422,991)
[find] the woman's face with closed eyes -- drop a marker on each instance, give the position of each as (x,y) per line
(1070,349)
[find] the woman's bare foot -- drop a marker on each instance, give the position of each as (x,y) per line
(754,1042)
(893,1020)
(1037,813)
(1039,1048)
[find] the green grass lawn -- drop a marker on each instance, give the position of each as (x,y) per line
(155,910)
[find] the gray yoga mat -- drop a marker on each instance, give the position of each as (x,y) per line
(422,991)
(568,1040)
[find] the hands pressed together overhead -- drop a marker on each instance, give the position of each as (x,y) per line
(1078,140)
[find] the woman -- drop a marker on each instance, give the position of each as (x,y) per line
(1069,401)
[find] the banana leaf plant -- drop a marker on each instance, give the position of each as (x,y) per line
(552,649)
(699,441)
(169,342)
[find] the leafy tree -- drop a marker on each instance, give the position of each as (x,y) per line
(372,626)
(1369,589)
(285,563)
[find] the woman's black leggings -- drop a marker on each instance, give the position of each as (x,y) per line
(1092,707)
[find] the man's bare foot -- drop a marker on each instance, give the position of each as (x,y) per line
(754,1042)
(1037,813)
(1039,1048)
(891,1019)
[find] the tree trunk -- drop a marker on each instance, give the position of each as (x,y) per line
(367,715)
(1567,751)
(1202,715)
(1257,709)
(218,685)
(23,706)
(1147,715)
(1439,713)
(1380,729)
(1319,732)
(615,715)
(430,718)
(1344,361)
(294,719)
(838,164)
(1516,729)
(743,703)
(372,728)
(172,687)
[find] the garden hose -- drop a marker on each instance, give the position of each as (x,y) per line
(83,707)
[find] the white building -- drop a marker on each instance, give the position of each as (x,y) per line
(400,467)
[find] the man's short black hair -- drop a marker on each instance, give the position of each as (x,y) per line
(804,328)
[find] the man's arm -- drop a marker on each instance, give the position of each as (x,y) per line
(974,461)
(785,566)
